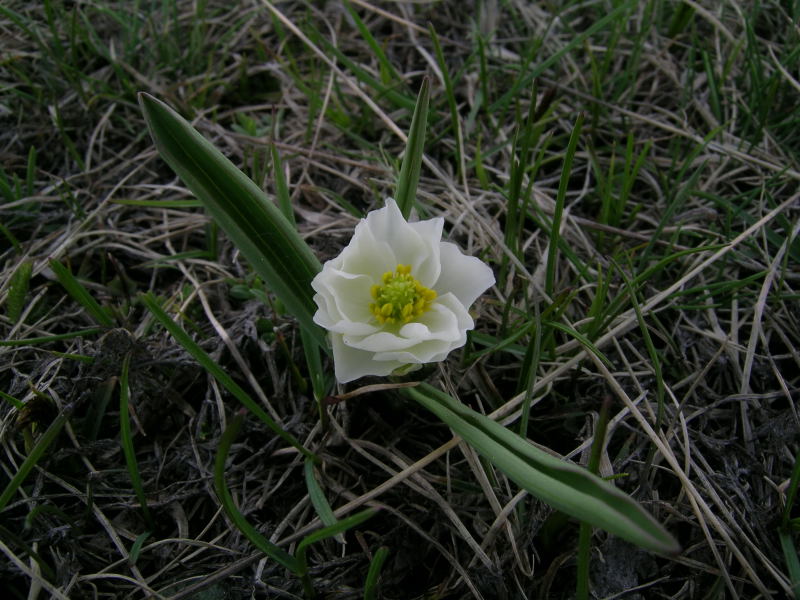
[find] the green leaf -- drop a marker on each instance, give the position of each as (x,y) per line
(6,231)
(17,290)
(317,496)
(451,98)
(792,561)
(79,292)
(791,492)
(381,91)
(234,514)
(785,534)
(219,373)
(562,484)
(391,74)
(254,224)
(52,338)
(336,529)
(375,566)
(327,532)
(681,19)
(577,41)
(412,159)
(136,549)
(18,404)
(97,407)
(126,440)
(555,230)
(315,372)
(35,454)
(281,185)
(580,337)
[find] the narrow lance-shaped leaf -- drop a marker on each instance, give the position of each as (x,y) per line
(412,159)
(79,292)
(374,573)
(327,532)
(34,455)
(565,486)
(336,529)
(234,514)
(254,224)
(317,496)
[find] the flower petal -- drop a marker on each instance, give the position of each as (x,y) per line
(366,254)
(443,322)
(415,244)
(379,341)
(447,323)
(428,269)
(382,241)
(448,314)
(424,352)
(350,363)
(346,295)
(467,277)
(337,324)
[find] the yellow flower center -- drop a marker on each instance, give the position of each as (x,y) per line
(400,298)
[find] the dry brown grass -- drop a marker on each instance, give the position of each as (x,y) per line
(716,194)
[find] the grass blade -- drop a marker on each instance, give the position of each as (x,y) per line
(375,566)
(451,98)
(580,337)
(136,549)
(30,172)
(317,496)
(388,72)
(234,514)
(524,81)
(555,231)
(52,338)
(530,366)
(327,532)
(34,455)
(585,534)
(127,441)
(281,185)
(17,290)
(219,374)
(319,382)
(785,534)
(792,561)
(18,404)
(381,91)
(333,530)
(255,225)
(79,293)
(791,492)
(565,486)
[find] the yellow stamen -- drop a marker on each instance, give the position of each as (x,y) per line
(400,298)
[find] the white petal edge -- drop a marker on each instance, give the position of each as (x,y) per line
(366,254)
(467,277)
(443,322)
(351,363)
(346,294)
(415,244)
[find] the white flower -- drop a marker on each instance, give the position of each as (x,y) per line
(397,295)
